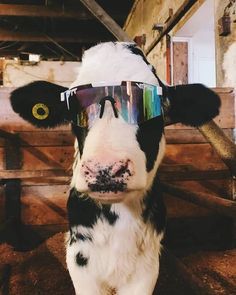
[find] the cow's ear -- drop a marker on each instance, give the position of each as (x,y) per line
(39,103)
(192,104)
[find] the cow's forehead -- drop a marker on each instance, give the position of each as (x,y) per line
(113,62)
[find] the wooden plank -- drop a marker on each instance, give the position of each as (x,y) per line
(175,136)
(44,138)
(8,35)
(43,11)
(44,158)
(30,174)
(178,175)
(197,156)
(44,204)
(217,204)
(78,13)
(106,20)
(173,206)
(40,158)
(219,188)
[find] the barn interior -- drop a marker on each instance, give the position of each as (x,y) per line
(187,41)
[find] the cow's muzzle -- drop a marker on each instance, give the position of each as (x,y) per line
(107,178)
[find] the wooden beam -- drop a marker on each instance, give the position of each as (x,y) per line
(42,11)
(106,20)
(45,11)
(7,35)
(217,204)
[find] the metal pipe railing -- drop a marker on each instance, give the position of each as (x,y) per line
(221,143)
(219,205)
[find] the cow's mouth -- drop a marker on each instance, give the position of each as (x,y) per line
(112,192)
(108,187)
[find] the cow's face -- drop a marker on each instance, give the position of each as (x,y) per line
(115,159)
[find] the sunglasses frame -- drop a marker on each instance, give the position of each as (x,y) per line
(66,95)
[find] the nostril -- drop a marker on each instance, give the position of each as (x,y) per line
(120,172)
(121,168)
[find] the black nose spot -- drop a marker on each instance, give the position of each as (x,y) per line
(105,182)
(81,260)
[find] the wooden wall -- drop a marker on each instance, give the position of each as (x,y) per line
(188,158)
(141,20)
(223,43)
(147,13)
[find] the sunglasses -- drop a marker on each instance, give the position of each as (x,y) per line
(135,102)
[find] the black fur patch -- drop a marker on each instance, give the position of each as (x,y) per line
(84,211)
(81,260)
(23,99)
(155,211)
(111,217)
(80,133)
(192,104)
(149,135)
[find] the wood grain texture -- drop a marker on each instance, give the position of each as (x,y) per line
(44,204)
(180,63)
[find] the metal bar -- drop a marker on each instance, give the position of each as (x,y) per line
(221,143)
(106,20)
(180,13)
(219,205)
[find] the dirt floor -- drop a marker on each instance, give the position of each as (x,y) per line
(43,272)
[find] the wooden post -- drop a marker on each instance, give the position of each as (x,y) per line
(13,192)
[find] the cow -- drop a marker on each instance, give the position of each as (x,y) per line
(117,108)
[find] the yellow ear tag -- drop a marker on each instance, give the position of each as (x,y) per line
(40,111)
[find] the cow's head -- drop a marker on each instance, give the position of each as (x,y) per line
(116,107)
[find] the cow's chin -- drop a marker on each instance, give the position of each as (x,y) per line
(108,197)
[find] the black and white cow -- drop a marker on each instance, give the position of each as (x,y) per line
(115,208)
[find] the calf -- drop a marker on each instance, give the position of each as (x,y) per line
(116,213)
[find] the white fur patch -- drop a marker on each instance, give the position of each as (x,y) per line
(112,62)
(124,256)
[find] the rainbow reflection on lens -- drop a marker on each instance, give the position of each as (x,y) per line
(136,102)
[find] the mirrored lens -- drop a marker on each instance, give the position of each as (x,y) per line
(135,102)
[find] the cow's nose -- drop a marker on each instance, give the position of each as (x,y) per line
(107,176)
